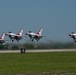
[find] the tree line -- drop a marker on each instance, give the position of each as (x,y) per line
(48,45)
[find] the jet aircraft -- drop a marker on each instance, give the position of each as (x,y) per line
(73,35)
(14,36)
(37,36)
(2,38)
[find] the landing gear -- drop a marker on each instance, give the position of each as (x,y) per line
(12,40)
(37,39)
(75,40)
(32,39)
(17,40)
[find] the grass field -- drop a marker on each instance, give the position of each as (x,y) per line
(53,63)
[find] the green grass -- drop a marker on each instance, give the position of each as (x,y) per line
(55,62)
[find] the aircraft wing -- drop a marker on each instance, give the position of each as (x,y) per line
(40,36)
(20,37)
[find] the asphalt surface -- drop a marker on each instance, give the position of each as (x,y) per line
(46,50)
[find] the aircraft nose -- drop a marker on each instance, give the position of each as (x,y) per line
(70,35)
(26,34)
(6,34)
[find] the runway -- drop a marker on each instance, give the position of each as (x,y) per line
(44,50)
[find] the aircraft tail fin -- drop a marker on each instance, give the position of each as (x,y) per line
(20,32)
(2,36)
(40,31)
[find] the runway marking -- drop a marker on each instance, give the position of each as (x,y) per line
(47,50)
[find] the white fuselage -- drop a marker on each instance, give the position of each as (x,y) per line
(72,35)
(14,36)
(34,36)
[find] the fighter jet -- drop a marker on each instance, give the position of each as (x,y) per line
(37,36)
(14,36)
(73,36)
(2,39)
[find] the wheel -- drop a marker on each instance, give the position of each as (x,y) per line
(12,40)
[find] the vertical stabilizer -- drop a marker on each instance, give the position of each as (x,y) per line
(2,36)
(40,31)
(20,32)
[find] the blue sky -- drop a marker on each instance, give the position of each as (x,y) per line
(57,17)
